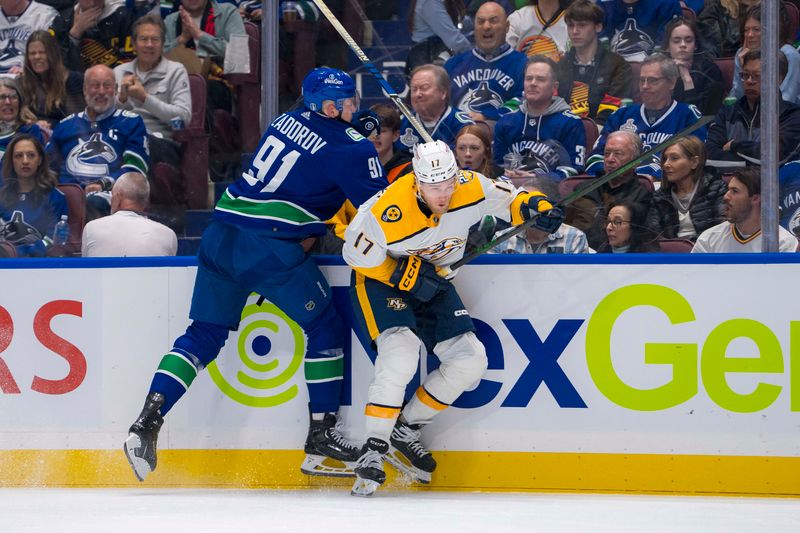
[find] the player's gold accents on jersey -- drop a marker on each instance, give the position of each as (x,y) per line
(430,401)
(366,308)
(379,411)
(342,218)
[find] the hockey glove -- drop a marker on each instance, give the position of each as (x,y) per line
(547,217)
(366,122)
(418,277)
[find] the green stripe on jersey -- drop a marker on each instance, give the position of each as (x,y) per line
(133,159)
(324,370)
(272,209)
(179,367)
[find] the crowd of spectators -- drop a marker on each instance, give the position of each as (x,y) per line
(541,91)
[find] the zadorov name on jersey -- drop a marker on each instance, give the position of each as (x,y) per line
(692,363)
(295,131)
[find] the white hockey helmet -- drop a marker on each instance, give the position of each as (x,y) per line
(434,162)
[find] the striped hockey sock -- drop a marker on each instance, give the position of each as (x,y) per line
(174,375)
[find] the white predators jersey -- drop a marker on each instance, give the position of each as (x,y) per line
(14,33)
(724,238)
(393,224)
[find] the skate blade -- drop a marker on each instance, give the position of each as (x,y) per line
(364,488)
(320,465)
(140,467)
(398,460)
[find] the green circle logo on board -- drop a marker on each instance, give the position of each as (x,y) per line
(259,381)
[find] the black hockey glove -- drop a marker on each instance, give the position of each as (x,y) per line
(547,217)
(418,277)
(366,122)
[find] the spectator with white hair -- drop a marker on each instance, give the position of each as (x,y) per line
(127,231)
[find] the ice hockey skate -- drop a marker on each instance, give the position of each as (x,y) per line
(140,446)
(328,452)
(407,454)
(369,469)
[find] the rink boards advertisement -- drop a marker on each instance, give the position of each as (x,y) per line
(604,374)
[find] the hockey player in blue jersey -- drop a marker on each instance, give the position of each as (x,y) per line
(308,163)
(548,137)
(96,146)
(430,97)
(655,120)
(487,79)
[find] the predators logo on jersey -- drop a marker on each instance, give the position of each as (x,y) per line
(439,250)
(391,214)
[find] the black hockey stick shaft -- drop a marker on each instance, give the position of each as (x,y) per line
(580,193)
(388,89)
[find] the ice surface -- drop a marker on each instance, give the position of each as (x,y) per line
(321,510)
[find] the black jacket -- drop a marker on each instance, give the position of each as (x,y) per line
(609,81)
(109,43)
(708,91)
(706,208)
(741,124)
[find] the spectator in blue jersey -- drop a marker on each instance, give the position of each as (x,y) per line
(700,80)
(30,203)
(309,162)
(487,79)
(789,197)
(547,136)
(435,32)
(94,147)
(635,27)
(592,79)
(689,200)
(734,138)
(539,29)
(655,120)
(588,212)
(15,117)
(430,100)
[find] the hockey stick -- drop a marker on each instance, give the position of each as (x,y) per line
(579,193)
(390,92)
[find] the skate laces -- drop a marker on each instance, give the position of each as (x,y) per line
(336,433)
(370,459)
(410,436)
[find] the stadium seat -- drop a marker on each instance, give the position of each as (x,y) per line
(248,89)
(567,185)
(688,14)
(726,66)
(194,149)
(76,215)
(675,246)
(793,11)
(592,133)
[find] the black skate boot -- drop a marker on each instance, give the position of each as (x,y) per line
(325,441)
(407,453)
(369,468)
(140,446)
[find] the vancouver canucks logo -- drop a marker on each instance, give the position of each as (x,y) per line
(10,55)
(439,250)
(391,214)
(631,43)
(480,98)
(90,158)
(409,138)
(794,223)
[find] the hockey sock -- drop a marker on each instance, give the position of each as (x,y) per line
(324,361)
(380,420)
(422,407)
(192,352)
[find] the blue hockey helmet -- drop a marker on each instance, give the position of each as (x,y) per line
(327,84)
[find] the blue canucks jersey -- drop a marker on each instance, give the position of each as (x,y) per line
(634,29)
(444,129)
(31,129)
(789,196)
(552,143)
(632,118)
(305,168)
(485,85)
(82,151)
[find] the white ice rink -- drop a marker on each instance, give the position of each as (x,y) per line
(334,510)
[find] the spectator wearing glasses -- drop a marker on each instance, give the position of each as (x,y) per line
(15,117)
(655,120)
(751,41)
(734,138)
(626,231)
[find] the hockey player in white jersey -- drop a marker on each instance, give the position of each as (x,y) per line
(400,245)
